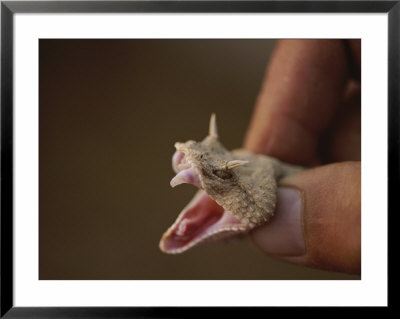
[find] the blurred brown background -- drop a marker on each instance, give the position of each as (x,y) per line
(110,112)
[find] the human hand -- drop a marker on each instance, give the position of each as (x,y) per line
(309,113)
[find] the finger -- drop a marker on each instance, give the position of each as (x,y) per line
(318,219)
(343,138)
(303,85)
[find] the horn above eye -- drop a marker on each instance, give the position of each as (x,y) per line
(213,126)
(235,163)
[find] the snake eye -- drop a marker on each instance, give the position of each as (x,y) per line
(222,174)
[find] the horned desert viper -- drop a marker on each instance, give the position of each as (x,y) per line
(237,191)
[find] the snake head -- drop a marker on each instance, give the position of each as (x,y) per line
(206,164)
(197,164)
(224,205)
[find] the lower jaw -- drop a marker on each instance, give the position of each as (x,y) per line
(201,220)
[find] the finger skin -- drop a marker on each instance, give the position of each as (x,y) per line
(330,218)
(342,141)
(304,83)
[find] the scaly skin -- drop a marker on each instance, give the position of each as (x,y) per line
(238,191)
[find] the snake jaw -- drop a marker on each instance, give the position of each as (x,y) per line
(202,220)
(178,159)
(187,175)
(186,171)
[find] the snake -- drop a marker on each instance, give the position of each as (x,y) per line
(237,191)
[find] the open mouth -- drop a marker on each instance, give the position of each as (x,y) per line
(186,171)
(202,219)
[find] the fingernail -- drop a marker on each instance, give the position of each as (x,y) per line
(283,235)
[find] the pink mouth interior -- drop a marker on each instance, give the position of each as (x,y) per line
(202,217)
(177,160)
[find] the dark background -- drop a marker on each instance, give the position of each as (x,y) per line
(110,112)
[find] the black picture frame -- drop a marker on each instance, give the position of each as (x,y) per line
(9,8)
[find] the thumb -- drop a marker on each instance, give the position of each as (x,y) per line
(317,222)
